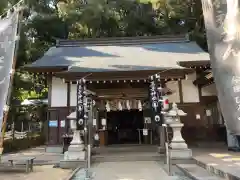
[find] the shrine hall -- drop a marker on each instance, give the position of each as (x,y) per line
(117,71)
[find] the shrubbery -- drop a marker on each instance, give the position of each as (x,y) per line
(12,145)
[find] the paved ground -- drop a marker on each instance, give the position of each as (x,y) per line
(46,172)
(217,156)
(42,157)
(43,169)
(141,170)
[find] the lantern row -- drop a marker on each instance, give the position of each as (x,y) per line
(120,81)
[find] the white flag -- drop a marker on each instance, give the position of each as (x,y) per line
(8,32)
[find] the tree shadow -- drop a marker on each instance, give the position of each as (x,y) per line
(174,47)
(65,56)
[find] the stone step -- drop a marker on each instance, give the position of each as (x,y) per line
(126,158)
(195,172)
(221,170)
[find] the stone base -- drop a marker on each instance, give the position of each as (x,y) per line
(72,164)
(178,145)
(180,153)
(74,155)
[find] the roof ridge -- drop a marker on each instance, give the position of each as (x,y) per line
(122,40)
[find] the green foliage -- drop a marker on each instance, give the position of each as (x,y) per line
(45,21)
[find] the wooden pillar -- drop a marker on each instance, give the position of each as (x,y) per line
(49,82)
(67,123)
(180,91)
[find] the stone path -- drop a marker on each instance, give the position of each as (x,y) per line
(141,170)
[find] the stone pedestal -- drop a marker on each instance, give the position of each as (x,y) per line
(76,148)
(177,142)
(75,156)
(178,146)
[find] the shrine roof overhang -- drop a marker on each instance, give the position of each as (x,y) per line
(124,75)
(118,57)
(195,64)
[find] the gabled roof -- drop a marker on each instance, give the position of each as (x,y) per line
(120,54)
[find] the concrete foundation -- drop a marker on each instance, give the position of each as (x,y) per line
(180,153)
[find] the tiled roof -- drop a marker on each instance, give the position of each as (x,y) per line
(121,55)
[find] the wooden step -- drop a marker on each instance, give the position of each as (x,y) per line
(196,172)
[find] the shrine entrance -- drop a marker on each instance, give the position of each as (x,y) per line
(123,126)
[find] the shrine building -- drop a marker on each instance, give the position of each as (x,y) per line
(118,70)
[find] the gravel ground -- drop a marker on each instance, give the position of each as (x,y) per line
(46,172)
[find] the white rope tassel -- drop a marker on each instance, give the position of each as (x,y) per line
(120,108)
(108,107)
(139,105)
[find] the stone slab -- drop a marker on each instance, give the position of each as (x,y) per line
(195,172)
(72,164)
(180,153)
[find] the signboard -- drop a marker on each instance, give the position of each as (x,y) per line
(62,124)
(147,120)
(53,123)
(145,132)
(104,122)
(94,122)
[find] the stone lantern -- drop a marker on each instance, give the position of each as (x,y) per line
(178,146)
(76,148)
